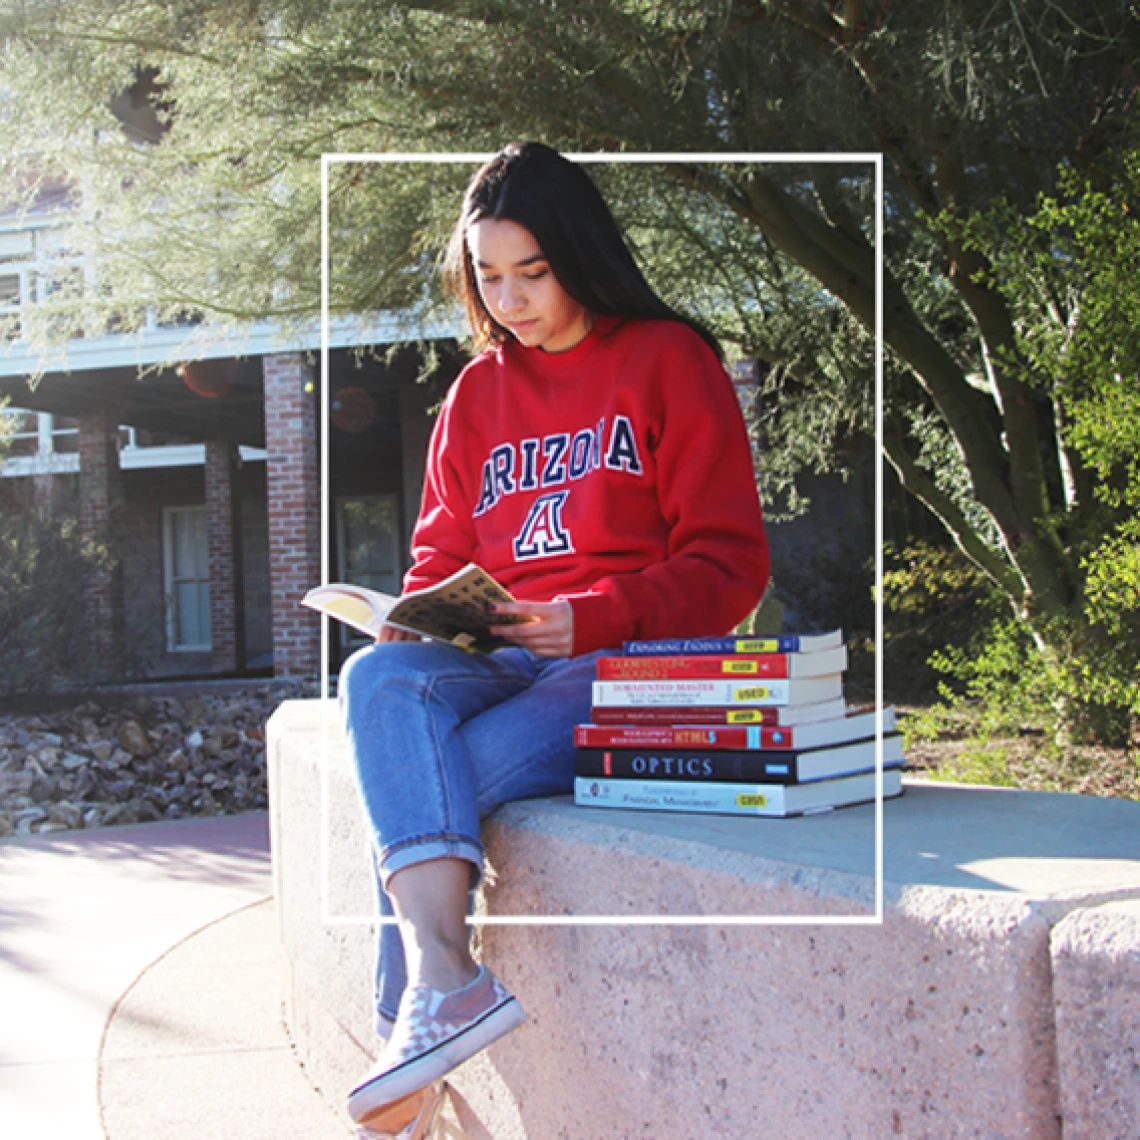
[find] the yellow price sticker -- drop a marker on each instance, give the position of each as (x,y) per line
(751,800)
(745,716)
(758,646)
(740,667)
(756,693)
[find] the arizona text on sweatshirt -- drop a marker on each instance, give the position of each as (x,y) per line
(616,476)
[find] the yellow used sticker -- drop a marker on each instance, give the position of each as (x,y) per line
(756,693)
(745,716)
(761,645)
(751,800)
(740,667)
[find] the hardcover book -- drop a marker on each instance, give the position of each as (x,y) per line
(858,724)
(782,643)
(737,766)
(713,715)
(712,665)
(798,691)
(734,799)
(456,610)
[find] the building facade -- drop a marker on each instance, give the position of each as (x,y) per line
(198,459)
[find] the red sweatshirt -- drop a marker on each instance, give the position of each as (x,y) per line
(616,476)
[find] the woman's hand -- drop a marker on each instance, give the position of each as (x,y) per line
(391,633)
(550,634)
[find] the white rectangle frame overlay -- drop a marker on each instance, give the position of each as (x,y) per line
(474,159)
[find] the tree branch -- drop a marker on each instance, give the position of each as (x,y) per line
(919,483)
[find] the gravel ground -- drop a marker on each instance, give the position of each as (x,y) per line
(1025,760)
(117,758)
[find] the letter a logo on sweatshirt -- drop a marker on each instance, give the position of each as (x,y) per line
(543,533)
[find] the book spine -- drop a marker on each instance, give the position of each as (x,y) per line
(732,799)
(694,667)
(749,737)
(775,692)
(690,714)
(786,643)
(684,766)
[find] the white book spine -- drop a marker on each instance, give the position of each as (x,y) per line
(669,795)
(768,692)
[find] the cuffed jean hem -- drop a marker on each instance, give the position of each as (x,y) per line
(425,850)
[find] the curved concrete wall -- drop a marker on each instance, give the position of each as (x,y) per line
(999,997)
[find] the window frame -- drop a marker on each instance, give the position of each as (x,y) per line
(169,514)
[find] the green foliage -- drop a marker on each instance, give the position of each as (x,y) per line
(934,599)
(193,131)
(979,762)
(1068,270)
(47,642)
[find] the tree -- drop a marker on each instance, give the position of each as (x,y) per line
(971,101)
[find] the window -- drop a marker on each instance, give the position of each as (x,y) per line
(368,547)
(187,579)
(40,433)
(23,432)
(10,292)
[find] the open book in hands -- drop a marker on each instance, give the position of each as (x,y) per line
(457,610)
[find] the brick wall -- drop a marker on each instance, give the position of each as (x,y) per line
(100,511)
(222,539)
(293,491)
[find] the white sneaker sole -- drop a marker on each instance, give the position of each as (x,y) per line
(437,1062)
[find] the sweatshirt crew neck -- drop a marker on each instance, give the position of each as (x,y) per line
(560,364)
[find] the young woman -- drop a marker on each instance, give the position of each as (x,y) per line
(592,458)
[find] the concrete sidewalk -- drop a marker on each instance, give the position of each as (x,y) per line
(111,944)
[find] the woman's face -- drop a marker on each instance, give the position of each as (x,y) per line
(520,290)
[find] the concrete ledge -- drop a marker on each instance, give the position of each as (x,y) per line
(1096,983)
(938,1023)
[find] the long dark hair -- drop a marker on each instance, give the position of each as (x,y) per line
(557,201)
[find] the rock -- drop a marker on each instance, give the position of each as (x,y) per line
(7,825)
(103,750)
(134,739)
(43,790)
(119,814)
(120,790)
(195,712)
(73,760)
(195,739)
(144,810)
(177,761)
(121,756)
(67,815)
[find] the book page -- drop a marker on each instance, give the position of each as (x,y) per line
(457,610)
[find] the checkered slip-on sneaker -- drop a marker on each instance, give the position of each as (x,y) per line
(435,1032)
(410,1118)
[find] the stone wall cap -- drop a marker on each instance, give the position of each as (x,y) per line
(1023,847)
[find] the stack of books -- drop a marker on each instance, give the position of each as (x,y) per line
(745,726)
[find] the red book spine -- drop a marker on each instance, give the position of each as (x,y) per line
(692,667)
(689,714)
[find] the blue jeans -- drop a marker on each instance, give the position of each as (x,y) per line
(439,739)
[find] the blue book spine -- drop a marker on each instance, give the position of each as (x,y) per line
(678,646)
